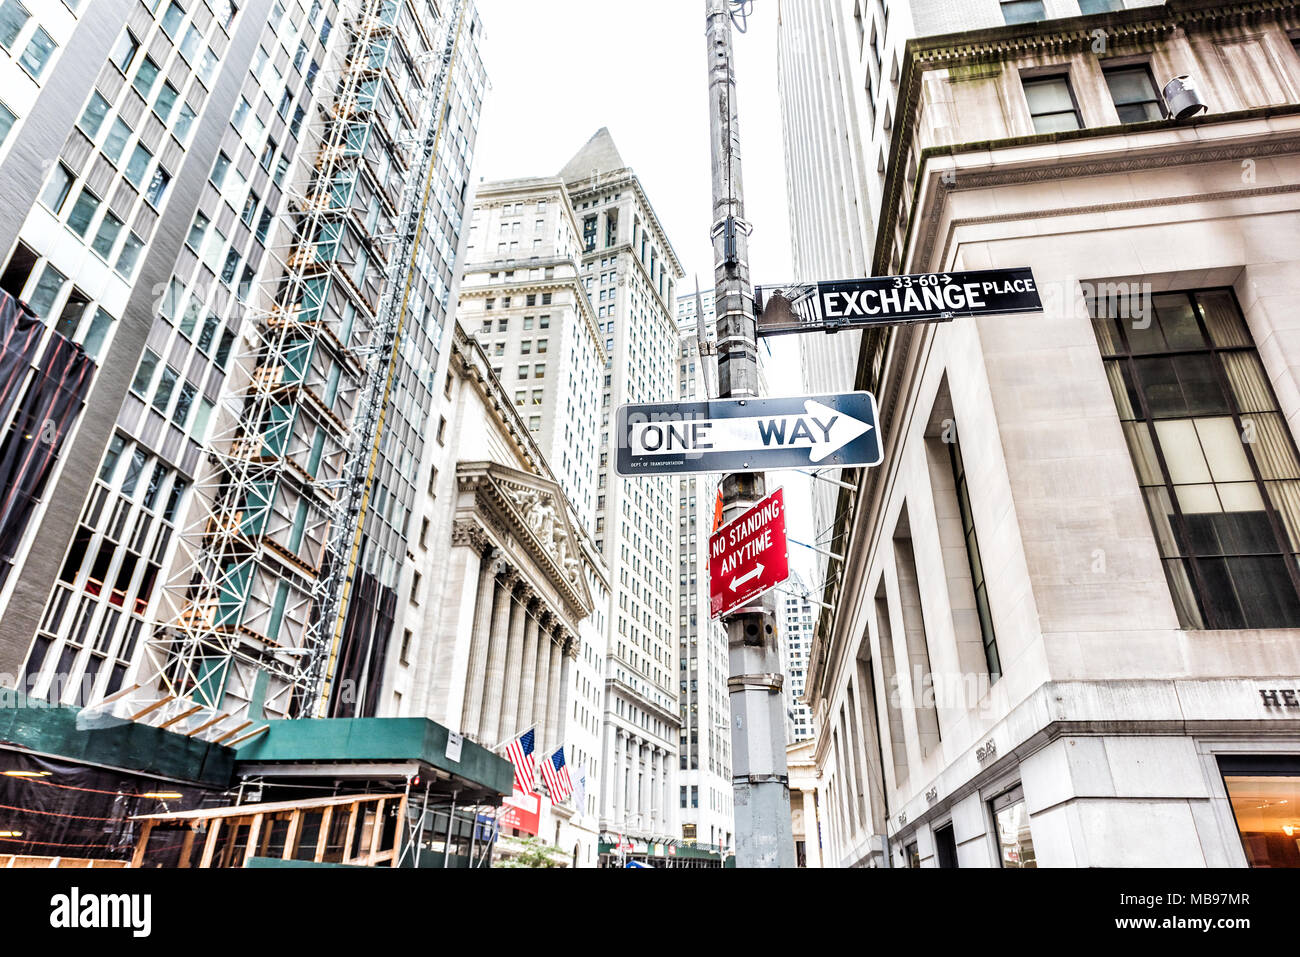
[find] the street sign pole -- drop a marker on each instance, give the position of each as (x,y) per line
(758,768)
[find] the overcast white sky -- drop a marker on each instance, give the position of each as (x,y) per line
(559,70)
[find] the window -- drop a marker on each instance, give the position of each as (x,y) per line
(1051,104)
(1134,94)
(171,21)
(157,188)
(1100,6)
(37,54)
(1264,791)
(165,102)
(166,385)
(144,373)
(1011,826)
(138,164)
(197,230)
(145,77)
(107,234)
(13,17)
(125,51)
(116,140)
(220,167)
(264,224)
(1214,457)
(207,67)
(1023,11)
(977,581)
(98,331)
(184,122)
(129,256)
(92,117)
(57,189)
(83,211)
(190,45)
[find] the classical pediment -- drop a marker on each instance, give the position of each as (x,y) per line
(534,509)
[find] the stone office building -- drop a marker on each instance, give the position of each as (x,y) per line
(499,616)
(1067,629)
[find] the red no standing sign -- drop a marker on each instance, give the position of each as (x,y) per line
(748,557)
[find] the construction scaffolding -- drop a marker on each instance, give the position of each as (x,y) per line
(250,621)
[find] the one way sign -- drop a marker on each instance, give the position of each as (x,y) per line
(737,435)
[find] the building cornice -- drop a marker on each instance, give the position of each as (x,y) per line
(525,286)
(470,361)
(604,181)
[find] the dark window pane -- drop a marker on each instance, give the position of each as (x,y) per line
(1178,322)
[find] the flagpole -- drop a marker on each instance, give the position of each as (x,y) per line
(510,737)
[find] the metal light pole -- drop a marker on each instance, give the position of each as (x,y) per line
(758,771)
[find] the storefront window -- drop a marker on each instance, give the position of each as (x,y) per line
(1011,820)
(1265,794)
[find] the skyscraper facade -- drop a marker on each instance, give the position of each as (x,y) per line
(251,230)
(630,273)
(523,297)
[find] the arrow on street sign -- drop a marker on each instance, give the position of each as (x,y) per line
(748,556)
(755,572)
(736,435)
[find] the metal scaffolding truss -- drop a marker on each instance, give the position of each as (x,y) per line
(254,609)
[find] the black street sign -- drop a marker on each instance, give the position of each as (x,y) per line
(738,435)
(893,300)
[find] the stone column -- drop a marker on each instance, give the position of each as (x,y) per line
(493,678)
(528,667)
(656,779)
(514,664)
(555,693)
(619,790)
(542,682)
(670,792)
(642,785)
(812,852)
(607,774)
(566,697)
(473,679)
(442,650)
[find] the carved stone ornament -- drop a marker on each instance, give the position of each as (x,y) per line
(466,534)
(546,524)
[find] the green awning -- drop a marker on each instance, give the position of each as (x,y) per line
(329,740)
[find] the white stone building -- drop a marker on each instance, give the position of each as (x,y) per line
(501,630)
(838,70)
(1069,612)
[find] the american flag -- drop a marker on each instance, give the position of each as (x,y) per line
(556,774)
(520,753)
